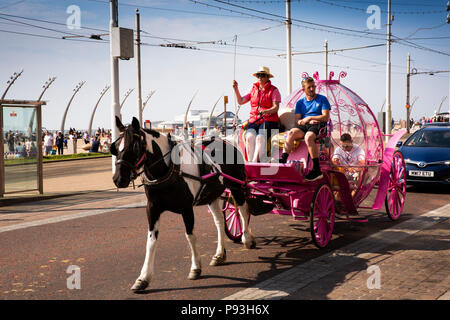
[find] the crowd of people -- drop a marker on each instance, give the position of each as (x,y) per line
(19,145)
(54,144)
(433,119)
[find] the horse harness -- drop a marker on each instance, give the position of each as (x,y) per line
(210,188)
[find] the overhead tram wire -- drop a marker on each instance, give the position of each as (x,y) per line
(165,9)
(50,22)
(205,50)
(383,11)
(393,4)
(40,27)
(297,20)
(362,35)
(50,37)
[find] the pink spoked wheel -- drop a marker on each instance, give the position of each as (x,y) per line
(322,215)
(233,227)
(396,193)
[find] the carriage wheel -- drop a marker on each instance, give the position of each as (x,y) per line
(322,215)
(396,193)
(233,227)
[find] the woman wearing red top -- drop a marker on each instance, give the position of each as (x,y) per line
(263,123)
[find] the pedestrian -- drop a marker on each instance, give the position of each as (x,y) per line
(86,137)
(48,143)
(264,102)
(60,143)
(95,144)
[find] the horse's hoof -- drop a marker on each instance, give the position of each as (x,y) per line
(219,260)
(250,245)
(194,274)
(140,285)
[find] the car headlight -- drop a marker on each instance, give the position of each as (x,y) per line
(447,162)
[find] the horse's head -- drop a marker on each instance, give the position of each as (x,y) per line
(130,149)
(134,148)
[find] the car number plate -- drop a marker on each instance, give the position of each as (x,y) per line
(417,173)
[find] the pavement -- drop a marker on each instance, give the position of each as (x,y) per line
(410,260)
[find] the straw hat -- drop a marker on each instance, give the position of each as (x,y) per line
(265,70)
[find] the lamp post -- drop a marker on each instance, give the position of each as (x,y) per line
(46,85)
(114,63)
(102,93)
(388,74)
(211,114)
(413,72)
(75,91)
(10,82)
(127,94)
(147,98)
(138,66)
(288,46)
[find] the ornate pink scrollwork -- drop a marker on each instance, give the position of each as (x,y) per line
(316,75)
(305,75)
(342,74)
(331,75)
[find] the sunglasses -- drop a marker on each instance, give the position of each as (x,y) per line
(261,75)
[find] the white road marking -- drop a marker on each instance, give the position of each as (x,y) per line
(69,217)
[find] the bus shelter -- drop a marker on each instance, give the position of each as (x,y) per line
(20,146)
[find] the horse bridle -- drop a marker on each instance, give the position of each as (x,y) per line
(134,168)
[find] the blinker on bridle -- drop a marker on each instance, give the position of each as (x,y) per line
(135,168)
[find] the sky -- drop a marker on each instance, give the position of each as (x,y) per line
(229,39)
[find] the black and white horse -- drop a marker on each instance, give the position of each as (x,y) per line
(154,156)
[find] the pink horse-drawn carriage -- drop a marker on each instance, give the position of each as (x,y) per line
(281,188)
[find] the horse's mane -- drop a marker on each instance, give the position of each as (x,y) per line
(154,133)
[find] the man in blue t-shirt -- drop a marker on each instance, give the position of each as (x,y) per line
(311,114)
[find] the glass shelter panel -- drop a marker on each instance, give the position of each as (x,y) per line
(20,153)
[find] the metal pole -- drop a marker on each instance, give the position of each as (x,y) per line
(105,89)
(326,59)
(138,65)
(10,82)
(225,101)
(40,176)
(288,46)
(46,86)
(77,88)
(115,98)
(127,94)
(408,76)
(146,99)
(211,114)
(388,75)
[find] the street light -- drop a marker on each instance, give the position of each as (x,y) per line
(46,85)
(147,98)
(10,82)
(127,94)
(75,90)
(409,73)
(102,93)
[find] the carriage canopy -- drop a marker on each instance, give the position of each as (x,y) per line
(349,114)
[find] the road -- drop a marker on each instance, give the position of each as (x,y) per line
(109,247)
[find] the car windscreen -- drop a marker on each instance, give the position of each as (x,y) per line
(430,138)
